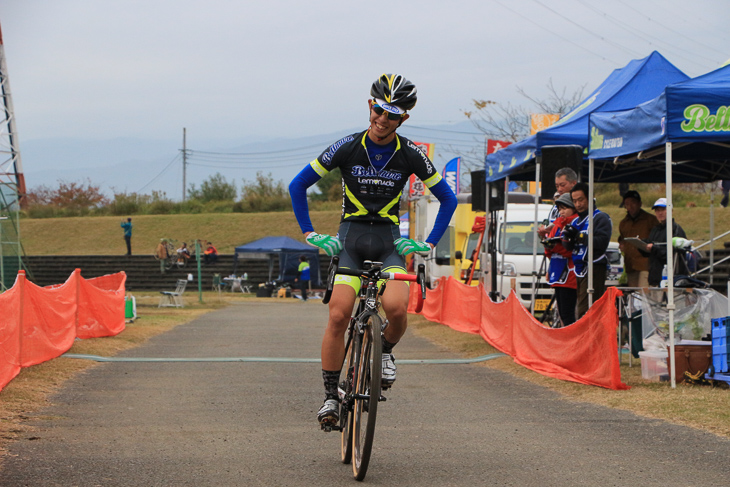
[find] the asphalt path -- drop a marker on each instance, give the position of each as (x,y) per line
(242,423)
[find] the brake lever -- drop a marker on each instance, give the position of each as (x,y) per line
(421,279)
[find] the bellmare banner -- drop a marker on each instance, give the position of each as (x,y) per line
(452,170)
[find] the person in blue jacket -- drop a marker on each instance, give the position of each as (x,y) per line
(127,226)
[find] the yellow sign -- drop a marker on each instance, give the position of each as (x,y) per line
(541,121)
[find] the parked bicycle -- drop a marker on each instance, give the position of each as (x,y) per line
(166,252)
(360,391)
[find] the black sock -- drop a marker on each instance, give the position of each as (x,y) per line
(387,346)
(331,380)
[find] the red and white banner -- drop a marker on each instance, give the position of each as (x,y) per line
(494,145)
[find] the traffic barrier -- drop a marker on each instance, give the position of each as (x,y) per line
(585,352)
(41,323)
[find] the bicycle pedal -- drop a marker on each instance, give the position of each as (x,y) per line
(382,399)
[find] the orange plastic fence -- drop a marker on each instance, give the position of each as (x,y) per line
(584,352)
(41,323)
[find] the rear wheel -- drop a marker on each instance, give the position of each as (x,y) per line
(367,395)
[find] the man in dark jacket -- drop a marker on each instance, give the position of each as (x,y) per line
(656,248)
(637,223)
(577,241)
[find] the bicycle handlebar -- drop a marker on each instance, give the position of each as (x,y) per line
(397,276)
(419,278)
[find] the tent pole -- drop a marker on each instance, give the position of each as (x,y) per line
(499,240)
(591,207)
(670,266)
(538,194)
(712,232)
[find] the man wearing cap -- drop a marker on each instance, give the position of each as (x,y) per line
(565,179)
(656,248)
(637,224)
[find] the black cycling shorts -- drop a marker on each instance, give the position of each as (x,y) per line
(363,241)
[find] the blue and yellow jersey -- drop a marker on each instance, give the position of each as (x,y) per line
(371,195)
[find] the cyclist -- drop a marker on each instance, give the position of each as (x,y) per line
(375,165)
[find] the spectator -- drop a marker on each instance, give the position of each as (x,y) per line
(565,179)
(561,272)
(183,254)
(656,248)
(636,223)
(303,276)
(127,227)
(725,186)
(623,188)
(210,256)
(576,238)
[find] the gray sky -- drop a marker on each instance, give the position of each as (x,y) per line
(102,69)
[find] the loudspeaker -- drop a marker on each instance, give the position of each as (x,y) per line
(479,189)
(555,157)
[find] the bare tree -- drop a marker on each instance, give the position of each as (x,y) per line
(512,123)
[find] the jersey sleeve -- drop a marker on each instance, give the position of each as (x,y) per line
(424,168)
(328,159)
(298,192)
(447,200)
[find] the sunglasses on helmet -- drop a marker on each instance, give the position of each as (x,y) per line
(391,116)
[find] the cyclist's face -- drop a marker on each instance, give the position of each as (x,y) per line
(382,127)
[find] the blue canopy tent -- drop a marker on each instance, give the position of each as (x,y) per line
(683,134)
(637,82)
(693,115)
(288,250)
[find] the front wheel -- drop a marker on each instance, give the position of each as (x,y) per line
(346,397)
(367,394)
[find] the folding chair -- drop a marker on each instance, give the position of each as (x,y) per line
(174,298)
(217,283)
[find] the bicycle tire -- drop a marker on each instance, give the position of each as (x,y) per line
(346,413)
(367,390)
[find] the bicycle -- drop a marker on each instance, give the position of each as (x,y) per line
(360,391)
(166,253)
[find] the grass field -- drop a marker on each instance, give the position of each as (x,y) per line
(103,236)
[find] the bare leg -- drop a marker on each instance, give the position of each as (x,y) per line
(395,305)
(333,342)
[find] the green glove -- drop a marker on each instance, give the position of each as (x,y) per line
(406,246)
(331,245)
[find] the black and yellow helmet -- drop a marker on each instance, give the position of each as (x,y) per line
(395,90)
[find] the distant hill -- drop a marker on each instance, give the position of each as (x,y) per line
(143,165)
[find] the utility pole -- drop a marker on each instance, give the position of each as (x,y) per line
(185,162)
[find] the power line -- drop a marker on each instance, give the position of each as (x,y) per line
(628,28)
(160,174)
(590,32)
(683,12)
(237,154)
(440,130)
(556,34)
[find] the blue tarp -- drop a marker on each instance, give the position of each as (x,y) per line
(288,251)
(637,82)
